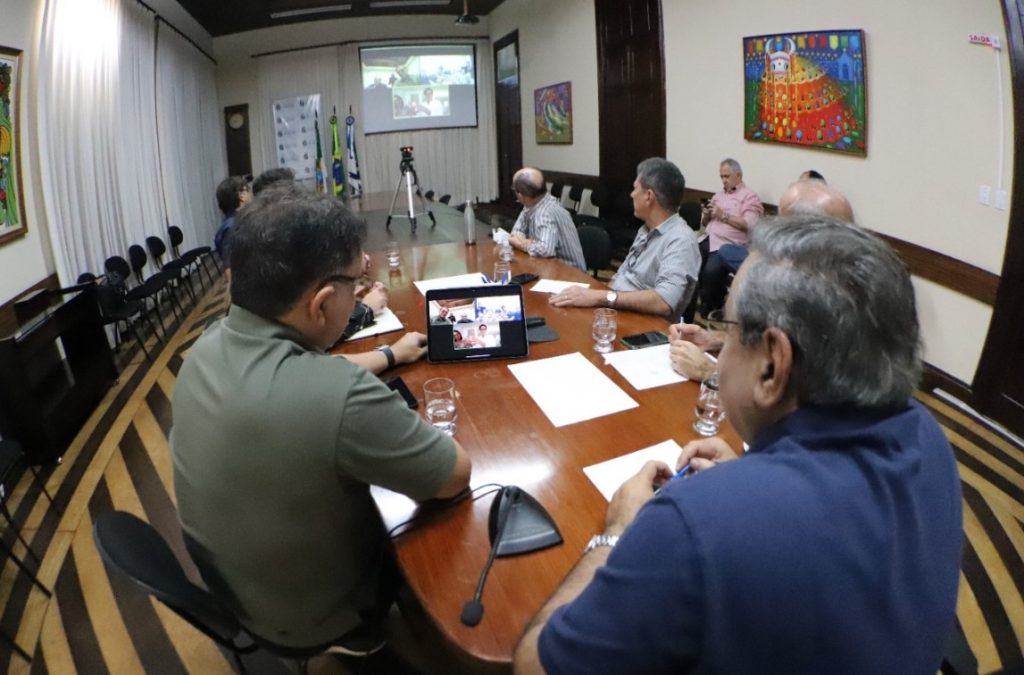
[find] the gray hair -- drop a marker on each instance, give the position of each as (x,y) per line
(845,300)
(665,178)
(732,164)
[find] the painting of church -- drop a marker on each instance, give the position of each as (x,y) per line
(806,89)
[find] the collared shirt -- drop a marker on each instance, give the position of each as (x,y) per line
(832,546)
(551,231)
(665,260)
(275,447)
(740,203)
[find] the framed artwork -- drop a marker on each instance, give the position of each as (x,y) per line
(552,112)
(12,209)
(806,89)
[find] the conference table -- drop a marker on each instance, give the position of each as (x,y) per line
(512,441)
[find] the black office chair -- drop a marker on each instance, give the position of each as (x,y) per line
(193,257)
(575,199)
(597,247)
(429,194)
(445,199)
(158,286)
(556,190)
(136,549)
(115,308)
(175,269)
(118,270)
(691,213)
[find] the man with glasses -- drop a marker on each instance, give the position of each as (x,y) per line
(833,545)
(544,228)
(276,443)
(661,268)
(232,195)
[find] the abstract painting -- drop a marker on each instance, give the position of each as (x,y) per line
(806,89)
(552,110)
(12,211)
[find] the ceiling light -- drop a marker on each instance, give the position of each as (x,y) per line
(327,9)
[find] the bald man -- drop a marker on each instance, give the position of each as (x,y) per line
(544,229)
(690,342)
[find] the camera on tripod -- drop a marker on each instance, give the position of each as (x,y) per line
(410,179)
(406,151)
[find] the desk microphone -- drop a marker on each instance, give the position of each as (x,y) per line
(473,610)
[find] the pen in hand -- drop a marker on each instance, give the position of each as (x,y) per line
(679,474)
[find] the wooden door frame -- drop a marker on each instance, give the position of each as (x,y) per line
(504,194)
(1007,315)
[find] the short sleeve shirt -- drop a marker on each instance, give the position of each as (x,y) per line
(665,260)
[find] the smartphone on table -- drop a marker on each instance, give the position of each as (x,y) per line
(649,339)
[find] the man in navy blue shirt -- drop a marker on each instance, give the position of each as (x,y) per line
(833,545)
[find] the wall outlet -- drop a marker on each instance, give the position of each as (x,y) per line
(984,195)
(1001,200)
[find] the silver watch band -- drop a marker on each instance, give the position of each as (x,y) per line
(609,540)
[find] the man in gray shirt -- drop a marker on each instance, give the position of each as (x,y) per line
(544,228)
(660,271)
(276,443)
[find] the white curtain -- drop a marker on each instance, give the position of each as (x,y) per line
(190,137)
(96,125)
(460,162)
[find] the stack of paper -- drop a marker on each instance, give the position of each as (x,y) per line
(608,476)
(552,286)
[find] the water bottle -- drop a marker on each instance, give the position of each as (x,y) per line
(470,223)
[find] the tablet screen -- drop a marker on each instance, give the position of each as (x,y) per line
(481,322)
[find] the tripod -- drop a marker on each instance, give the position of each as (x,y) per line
(409,176)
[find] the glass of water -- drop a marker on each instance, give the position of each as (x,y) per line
(604,326)
(502,272)
(709,407)
(505,252)
(394,255)
(442,413)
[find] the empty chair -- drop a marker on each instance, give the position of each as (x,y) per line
(575,199)
(133,547)
(11,455)
(195,256)
(115,308)
(429,195)
(556,190)
(445,199)
(597,247)
(154,285)
(118,270)
(175,269)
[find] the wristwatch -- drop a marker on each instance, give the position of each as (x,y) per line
(609,540)
(388,354)
(611,297)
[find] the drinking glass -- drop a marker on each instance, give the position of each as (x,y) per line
(502,272)
(709,407)
(604,329)
(442,413)
(505,252)
(394,255)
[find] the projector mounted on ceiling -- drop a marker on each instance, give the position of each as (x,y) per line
(466,19)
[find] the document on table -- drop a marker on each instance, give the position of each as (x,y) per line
(385,321)
(552,286)
(645,368)
(458,281)
(608,476)
(571,389)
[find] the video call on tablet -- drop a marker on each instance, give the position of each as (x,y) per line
(482,322)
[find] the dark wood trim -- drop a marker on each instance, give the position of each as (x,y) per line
(951,273)
(933,378)
(8,322)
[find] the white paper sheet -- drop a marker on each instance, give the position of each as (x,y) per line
(571,389)
(385,322)
(645,368)
(552,286)
(499,236)
(608,476)
(458,281)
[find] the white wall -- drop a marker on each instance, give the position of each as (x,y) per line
(25,261)
(933,122)
(557,43)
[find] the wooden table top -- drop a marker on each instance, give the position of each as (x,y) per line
(511,441)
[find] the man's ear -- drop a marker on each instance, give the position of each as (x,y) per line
(315,304)
(775,367)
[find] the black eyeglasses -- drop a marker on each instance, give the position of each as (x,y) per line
(716,321)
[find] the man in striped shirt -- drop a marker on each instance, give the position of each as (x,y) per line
(544,228)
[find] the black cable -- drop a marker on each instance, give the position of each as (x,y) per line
(473,610)
(445,505)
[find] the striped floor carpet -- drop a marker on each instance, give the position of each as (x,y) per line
(97,622)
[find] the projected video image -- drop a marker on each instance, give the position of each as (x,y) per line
(418,87)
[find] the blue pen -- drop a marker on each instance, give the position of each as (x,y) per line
(679,474)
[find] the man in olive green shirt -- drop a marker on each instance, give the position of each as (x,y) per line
(275,443)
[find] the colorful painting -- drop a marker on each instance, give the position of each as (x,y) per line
(552,110)
(12,212)
(807,89)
